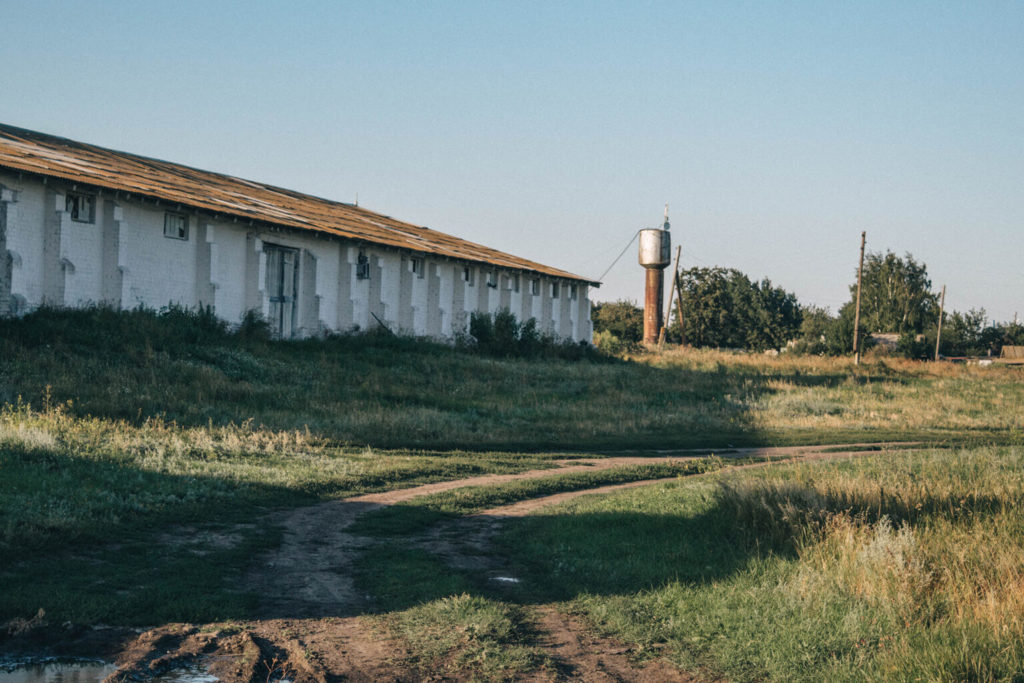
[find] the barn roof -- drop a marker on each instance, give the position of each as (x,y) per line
(52,156)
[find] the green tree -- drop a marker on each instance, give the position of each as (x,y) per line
(994,337)
(896,294)
(723,308)
(915,346)
(623,319)
(813,328)
(962,334)
(839,333)
(710,317)
(777,317)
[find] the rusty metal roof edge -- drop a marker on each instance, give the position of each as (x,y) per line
(520,263)
(548,271)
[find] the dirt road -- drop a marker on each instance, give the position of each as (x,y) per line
(310,628)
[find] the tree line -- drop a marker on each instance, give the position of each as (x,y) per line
(723,308)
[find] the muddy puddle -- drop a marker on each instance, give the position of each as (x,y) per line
(86,671)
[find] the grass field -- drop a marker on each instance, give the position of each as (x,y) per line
(137,469)
(390,392)
(896,566)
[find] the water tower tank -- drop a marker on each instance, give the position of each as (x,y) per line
(655,248)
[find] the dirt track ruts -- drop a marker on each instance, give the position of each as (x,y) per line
(310,603)
(310,573)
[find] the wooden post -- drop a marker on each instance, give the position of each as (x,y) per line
(668,311)
(938,334)
(679,310)
(856,317)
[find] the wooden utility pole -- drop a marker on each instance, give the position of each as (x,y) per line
(679,310)
(938,335)
(856,317)
(668,311)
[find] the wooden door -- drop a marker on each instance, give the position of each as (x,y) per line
(282,287)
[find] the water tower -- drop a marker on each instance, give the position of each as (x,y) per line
(655,254)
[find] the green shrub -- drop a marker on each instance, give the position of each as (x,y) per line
(910,346)
(501,335)
(622,319)
(103,327)
(254,326)
(608,343)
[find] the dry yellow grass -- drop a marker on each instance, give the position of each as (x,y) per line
(805,393)
(928,543)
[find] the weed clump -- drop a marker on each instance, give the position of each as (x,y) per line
(466,633)
(104,328)
(501,335)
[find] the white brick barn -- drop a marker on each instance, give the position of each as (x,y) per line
(81,224)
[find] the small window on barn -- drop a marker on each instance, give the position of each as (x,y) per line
(574,292)
(82,207)
(416,267)
(362,266)
(512,282)
(492,279)
(554,290)
(176,226)
(535,287)
(467,275)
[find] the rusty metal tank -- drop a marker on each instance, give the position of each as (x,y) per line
(655,248)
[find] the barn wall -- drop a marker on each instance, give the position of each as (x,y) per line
(158,271)
(124,259)
(25,217)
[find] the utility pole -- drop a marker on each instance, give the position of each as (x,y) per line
(942,307)
(668,311)
(679,310)
(856,317)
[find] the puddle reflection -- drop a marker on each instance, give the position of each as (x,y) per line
(88,672)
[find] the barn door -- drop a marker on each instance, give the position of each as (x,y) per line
(282,285)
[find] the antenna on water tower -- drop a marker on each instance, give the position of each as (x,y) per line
(655,254)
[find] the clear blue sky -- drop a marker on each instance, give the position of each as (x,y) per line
(776,131)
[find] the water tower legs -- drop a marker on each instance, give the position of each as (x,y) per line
(654,296)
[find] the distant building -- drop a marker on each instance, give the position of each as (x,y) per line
(1012,354)
(81,224)
(884,340)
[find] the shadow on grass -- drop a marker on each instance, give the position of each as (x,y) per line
(96,541)
(159,547)
(557,557)
(689,538)
(394,392)
(378,390)
(417,396)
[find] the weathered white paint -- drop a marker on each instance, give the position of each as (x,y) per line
(123,259)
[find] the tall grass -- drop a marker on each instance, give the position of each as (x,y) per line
(901,566)
(389,391)
(931,545)
(68,478)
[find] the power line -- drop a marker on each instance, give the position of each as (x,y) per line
(628,244)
